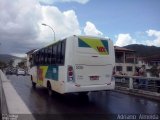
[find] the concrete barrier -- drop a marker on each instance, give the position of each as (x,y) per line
(4,108)
(15,104)
(142,86)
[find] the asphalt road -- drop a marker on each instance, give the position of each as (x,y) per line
(97,103)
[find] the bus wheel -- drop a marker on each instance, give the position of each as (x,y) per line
(33,84)
(49,89)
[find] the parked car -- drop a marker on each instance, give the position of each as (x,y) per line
(14,71)
(8,72)
(11,71)
(21,72)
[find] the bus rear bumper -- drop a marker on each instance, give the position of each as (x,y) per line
(71,87)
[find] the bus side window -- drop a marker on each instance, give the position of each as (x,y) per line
(62,52)
(45,56)
(54,49)
(36,58)
(56,54)
(59,53)
(40,57)
(33,61)
(50,54)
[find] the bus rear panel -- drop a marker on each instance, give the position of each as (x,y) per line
(90,65)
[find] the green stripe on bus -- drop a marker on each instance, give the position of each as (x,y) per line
(105,43)
(81,43)
(52,73)
(95,44)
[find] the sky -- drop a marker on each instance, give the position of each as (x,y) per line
(123,21)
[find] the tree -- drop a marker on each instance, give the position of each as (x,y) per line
(154,71)
(11,63)
(2,65)
(22,64)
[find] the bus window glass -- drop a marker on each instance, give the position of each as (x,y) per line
(59,53)
(63,52)
(54,48)
(50,54)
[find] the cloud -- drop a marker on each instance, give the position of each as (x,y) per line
(21,29)
(90,29)
(79,1)
(156,35)
(63,23)
(50,2)
(149,37)
(18,24)
(124,39)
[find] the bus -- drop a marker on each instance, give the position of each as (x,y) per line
(76,64)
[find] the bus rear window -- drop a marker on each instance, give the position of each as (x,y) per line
(93,46)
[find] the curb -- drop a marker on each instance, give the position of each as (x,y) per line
(14,104)
(141,93)
(3,105)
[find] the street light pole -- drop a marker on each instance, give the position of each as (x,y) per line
(51,29)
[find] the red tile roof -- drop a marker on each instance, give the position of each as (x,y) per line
(123,49)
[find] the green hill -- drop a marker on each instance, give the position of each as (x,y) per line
(143,50)
(6,58)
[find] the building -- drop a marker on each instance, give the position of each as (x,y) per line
(29,57)
(150,60)
(151,64)
(125,61)
(128,64)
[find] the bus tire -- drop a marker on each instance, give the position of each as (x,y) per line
(33,84)
(49,89)
(31,78)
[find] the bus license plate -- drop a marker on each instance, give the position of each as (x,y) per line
(94,77)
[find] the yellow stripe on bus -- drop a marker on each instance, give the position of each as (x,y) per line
(94,43)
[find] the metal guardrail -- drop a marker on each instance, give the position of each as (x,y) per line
(151,84)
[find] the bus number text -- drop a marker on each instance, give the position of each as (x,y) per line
(101,49)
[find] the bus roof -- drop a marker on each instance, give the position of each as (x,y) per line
(90,36)
(85,36)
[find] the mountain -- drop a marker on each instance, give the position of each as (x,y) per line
(6,58)
(143,50)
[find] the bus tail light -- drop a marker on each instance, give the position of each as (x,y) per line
(70,73)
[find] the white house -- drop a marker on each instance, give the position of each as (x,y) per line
(125,61)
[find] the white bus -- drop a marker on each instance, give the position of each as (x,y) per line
(75,64)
